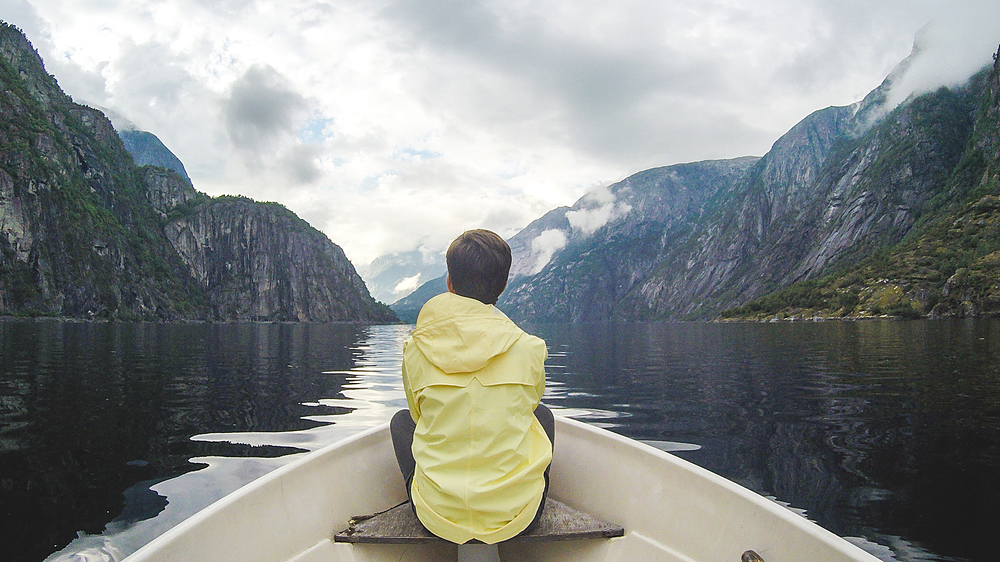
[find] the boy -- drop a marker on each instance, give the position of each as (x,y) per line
(475,445)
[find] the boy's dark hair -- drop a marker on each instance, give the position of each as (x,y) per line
(478,264)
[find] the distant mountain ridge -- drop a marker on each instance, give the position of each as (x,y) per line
(86,233)
(147,150)
(408,307)
(392,277)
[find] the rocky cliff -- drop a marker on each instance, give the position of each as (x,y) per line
(77,237)
(86,233)
(691,241)
(259,261)
(927,186)
(588,260)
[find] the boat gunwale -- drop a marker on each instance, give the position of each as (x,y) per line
(245,490)
(571,490)
(812,528)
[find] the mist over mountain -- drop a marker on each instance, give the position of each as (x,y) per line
(394,276)
(692,241)
(864,210)
(86,232)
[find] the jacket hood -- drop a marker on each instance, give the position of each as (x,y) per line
(461,335)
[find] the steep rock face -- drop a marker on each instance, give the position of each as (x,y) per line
(875,194)
(165,192)
(745,242)
(76,237)
(261,262)
(825,206)
(617,239)
(843,183)
(939,183)
(85,233)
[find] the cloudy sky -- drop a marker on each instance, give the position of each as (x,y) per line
(393,125)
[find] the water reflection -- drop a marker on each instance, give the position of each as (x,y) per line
(368,394)
(115,432)
(357,398)
(887,432)
(874,429)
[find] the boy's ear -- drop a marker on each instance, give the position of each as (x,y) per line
(447,281)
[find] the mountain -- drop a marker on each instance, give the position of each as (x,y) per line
(85,232)
(580,264)
(947,259)
(857,211)
(394,276)
(409,306)
(147,150)
(845,184)
(259,261)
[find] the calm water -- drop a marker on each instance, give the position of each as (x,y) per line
(884,432)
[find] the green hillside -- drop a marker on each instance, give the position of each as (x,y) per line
(949,263)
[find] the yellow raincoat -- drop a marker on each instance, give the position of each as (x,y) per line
(473,380)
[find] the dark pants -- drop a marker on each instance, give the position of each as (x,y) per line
(401,427)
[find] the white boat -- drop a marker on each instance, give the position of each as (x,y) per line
(671,510)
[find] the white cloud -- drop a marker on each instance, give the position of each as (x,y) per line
(394,123)
(587,221)
(598,208)
(407,285)
(544,246)
(942,60)
(429,256)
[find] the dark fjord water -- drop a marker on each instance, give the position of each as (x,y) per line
(885,432)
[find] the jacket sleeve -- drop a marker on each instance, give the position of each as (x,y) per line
(411,400)
(540,383)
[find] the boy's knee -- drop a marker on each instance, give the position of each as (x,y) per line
(401,430)
(542,412)
(401,421)
(545,417)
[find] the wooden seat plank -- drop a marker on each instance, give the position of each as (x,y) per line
(399,525)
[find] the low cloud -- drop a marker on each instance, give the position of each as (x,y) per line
(597,209)
(299,163)
(430,256)
(544,246)
(407,286)
(950,49)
